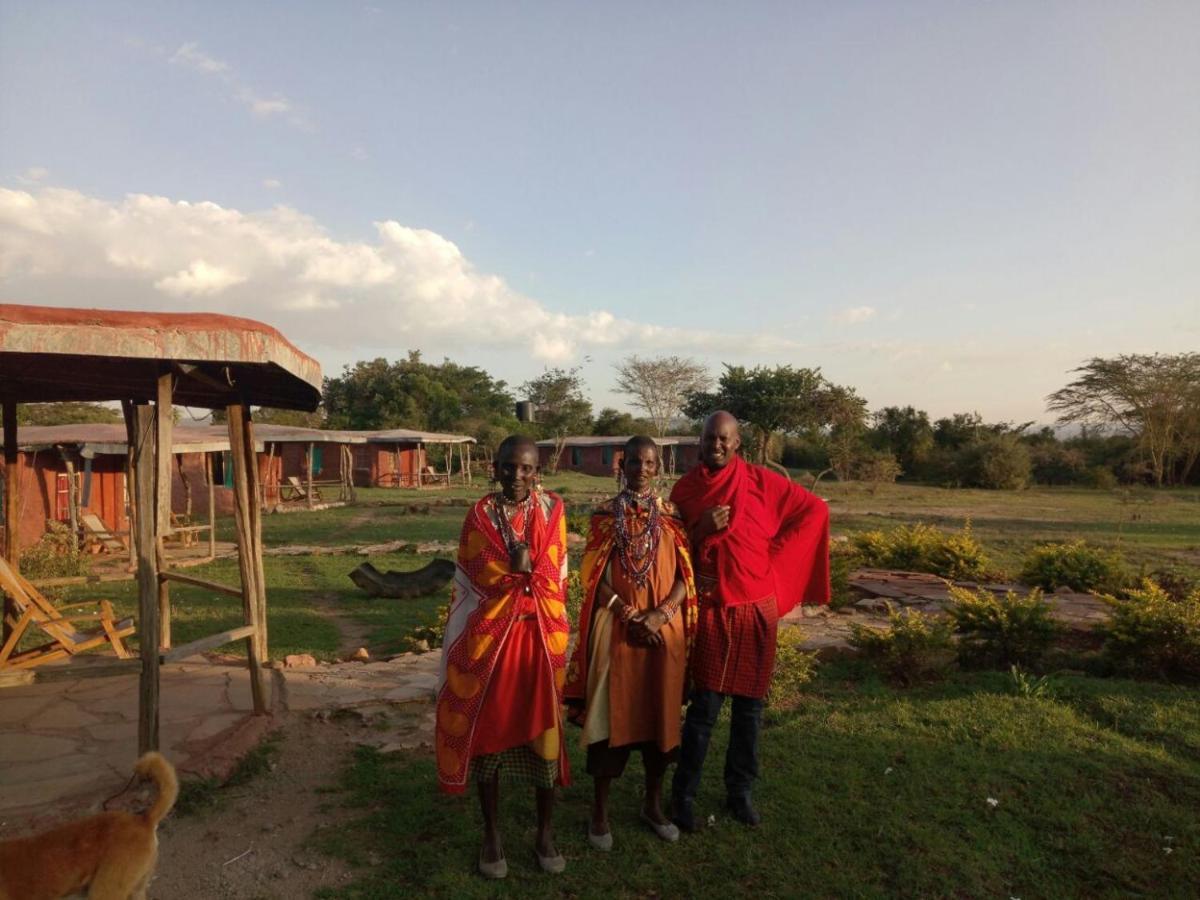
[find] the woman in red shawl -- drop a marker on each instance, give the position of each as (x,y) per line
(504,653)
(625,684)
(761,546)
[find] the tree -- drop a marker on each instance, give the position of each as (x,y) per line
(1155,398)
(844,421)
(661,385)
(904,432)
(610,422)
(266,415)
(770,401)
(66,414)
(560,408)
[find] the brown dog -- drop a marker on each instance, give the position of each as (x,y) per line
(112,854)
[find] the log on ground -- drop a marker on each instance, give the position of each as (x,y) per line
(404,585)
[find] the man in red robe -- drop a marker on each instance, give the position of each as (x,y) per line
(760,546)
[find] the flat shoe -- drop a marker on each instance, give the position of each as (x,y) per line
(668,832)
(552,864)
(497,869)
(600,841)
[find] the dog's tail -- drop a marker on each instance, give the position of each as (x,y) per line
(155,767)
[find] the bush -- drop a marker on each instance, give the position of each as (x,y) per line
(1055,464)
(1013,630)
(794,668)
(915,646)
(1075,565)
(997,462)
(430,635)
(1148,633)
(574,598)
(56,555)
(842,560)
(923,548)
(1101,477)
(579,520)
(877,467)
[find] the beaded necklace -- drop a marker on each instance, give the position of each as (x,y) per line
(637,552)
(524,508)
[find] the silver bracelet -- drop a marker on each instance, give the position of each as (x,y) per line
(611,600)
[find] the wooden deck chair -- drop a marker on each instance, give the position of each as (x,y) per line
(298,491)
(67,639)
(95,530)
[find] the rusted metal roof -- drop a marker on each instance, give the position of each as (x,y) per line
(296,434)
(104,439)
(50,354)
(405,435)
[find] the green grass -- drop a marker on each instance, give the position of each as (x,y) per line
(201,795)
(866,792)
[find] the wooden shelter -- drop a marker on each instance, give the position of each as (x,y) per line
(149,362)
(399,458)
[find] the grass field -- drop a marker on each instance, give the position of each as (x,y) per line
(866,791)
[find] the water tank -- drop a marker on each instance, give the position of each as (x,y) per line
(524,410)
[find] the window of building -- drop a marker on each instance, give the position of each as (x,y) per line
(577,456)
(607,456)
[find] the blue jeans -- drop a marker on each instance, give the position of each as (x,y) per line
(741,759)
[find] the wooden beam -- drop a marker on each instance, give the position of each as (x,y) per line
(12,514)
(309,468)
(212,642)
(260,580)
(247,570)
(142,499)
(72,497)
(212,506)
(192,580)
(164,460)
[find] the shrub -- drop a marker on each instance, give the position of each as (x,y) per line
(579,520)
(1101,477)
(1148,633)
(1001,631)
(574,598)
(430,635)
(914,647)
(923,548)
(842,559)
(877,467)
(1075,565)
(1022,685)
(56,555)
(996,461)
(794,668)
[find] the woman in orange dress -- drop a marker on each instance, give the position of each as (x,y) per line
(626,680)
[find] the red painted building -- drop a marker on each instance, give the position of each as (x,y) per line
(603,455)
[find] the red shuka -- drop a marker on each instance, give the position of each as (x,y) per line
(777,541)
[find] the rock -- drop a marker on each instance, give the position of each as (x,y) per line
(421,646)
(306,861)
(359,655)
(298,660)
(877,605)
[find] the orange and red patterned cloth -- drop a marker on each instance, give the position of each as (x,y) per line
(504,652)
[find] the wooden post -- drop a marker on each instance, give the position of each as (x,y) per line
(72,497)
(164,459)
(130,502)
(309,469)
(396,466)
(142,446)
(12,516)
(260,579)
(247,569)
(212,507)
(420,462)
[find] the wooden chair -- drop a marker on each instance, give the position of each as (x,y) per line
(34,609)
(96,531)
(297,490)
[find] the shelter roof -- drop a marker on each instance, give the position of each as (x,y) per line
(295,433)
(403,435)
(604,440)
(50,354)
(103,439)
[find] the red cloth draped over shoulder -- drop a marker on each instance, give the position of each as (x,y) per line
(777,541)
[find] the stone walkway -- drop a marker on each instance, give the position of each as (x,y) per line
(67,745)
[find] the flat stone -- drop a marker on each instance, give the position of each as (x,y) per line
(409,692)
(210,726)
(22,792)
(60,715)
(20,747)
(17,709)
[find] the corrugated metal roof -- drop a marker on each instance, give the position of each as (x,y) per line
(50,354)
(104,439)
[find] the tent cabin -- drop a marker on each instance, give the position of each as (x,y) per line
(150,362)
(70,473)
(602,454)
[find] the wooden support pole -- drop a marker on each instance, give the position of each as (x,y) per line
(164,460)
(260,579)
(420,463)
(72,497)
(212,507)
(12,516)
(247,569)
(309,469)
(140,422)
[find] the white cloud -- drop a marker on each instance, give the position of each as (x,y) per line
(855,315)
(272,184)
(191,56)
(34,174)
(406,287)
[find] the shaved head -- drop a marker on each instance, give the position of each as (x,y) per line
(513,443)
(720,440)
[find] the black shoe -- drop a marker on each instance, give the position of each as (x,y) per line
(682,815)
(743,810)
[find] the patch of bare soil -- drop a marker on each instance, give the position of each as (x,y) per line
(251,845)
(352,634)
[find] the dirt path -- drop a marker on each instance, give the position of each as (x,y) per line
(252,843)
(352,634)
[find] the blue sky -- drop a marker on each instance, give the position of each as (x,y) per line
(943,204)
